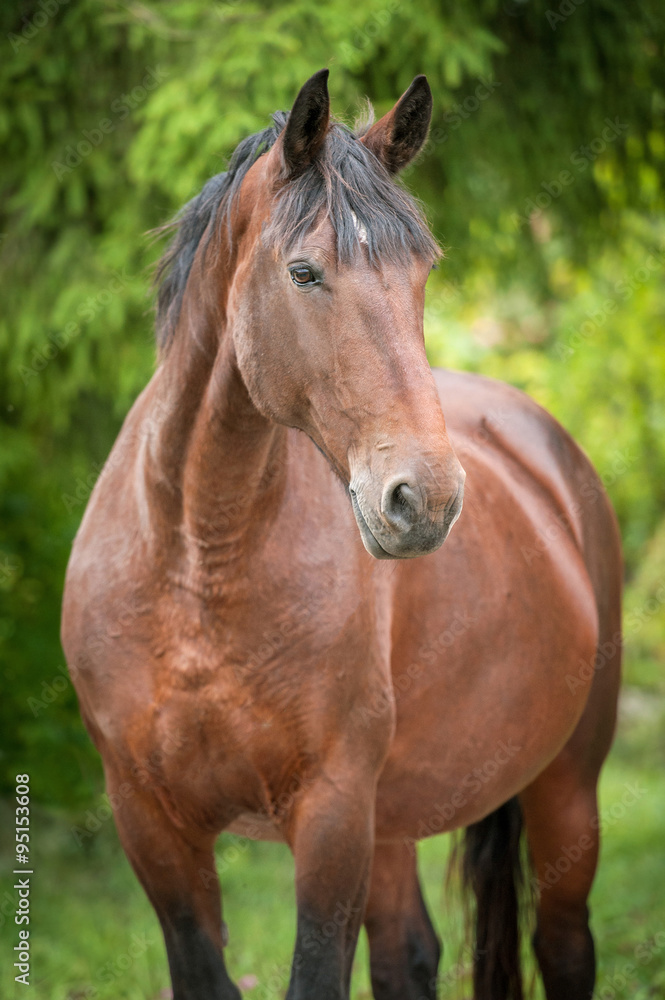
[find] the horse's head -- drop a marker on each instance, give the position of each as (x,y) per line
(326,313)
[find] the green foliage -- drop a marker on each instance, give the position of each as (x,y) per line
(592,352)
(113,114)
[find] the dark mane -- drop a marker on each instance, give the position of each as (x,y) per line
(347,182)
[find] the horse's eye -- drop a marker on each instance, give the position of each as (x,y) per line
(302,275)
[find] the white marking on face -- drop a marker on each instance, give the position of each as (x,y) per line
(360,229)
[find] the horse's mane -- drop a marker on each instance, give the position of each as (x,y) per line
(346,181)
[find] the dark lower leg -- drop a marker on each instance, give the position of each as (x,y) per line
(564,948)
(562,827)
(404,948)
(196,963)
(177,871)
(332,844)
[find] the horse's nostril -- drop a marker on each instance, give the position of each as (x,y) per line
(400,505)
(403,496)
(452,500)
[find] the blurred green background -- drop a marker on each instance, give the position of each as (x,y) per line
(544,178)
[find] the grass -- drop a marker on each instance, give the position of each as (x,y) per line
(94,936)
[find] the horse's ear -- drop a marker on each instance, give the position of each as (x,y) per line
(307,124)
(397,137)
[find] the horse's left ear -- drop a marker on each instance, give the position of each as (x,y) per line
(306,128)
(397,137)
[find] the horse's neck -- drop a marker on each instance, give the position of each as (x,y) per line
(224,461)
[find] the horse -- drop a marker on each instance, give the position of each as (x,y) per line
(265,630)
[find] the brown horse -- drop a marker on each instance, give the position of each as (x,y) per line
(248,653)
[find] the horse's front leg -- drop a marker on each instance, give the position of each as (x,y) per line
(331,834)
(176,867)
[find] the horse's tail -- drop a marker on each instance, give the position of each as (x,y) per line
(492,867)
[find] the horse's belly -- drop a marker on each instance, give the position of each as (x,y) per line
(488,681)
(255,827)
(432,787)
(451,763)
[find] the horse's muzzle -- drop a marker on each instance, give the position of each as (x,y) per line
(404,520)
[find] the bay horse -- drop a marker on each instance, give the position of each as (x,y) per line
(263,629)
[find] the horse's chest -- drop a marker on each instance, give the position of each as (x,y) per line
(271,661)
(260,693)
(268,629)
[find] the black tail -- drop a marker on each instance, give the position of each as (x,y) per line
(492,868)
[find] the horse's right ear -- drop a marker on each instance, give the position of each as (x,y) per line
(305,130)
(398,137)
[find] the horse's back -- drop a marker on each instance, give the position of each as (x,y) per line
(491,421)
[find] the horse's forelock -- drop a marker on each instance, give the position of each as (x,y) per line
(346,182)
